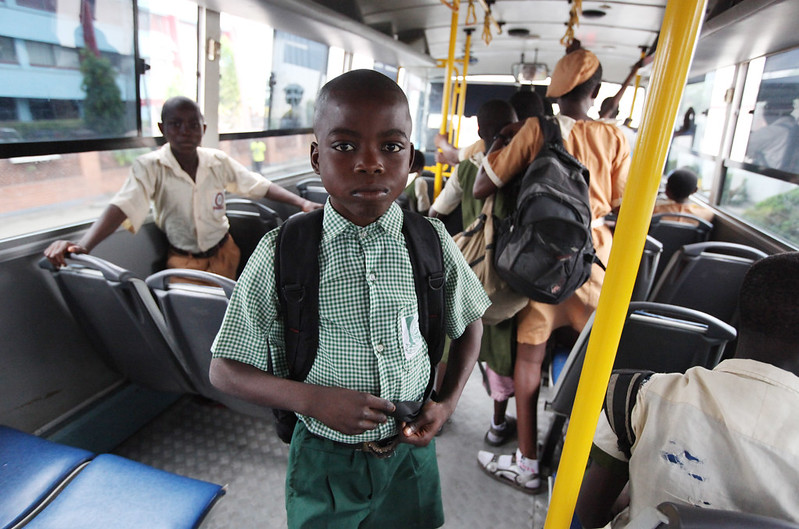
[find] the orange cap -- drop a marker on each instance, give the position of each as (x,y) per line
(572,69)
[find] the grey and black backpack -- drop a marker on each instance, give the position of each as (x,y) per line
(544,248)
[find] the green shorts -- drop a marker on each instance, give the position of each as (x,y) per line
(332,486)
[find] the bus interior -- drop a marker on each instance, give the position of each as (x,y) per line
(83,83)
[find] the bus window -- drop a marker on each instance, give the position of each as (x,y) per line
(768,203)
(759,183)
(699,126)
(168,44)
(269,79)
(773,135)
(283,156)
(68,71)
(43,192)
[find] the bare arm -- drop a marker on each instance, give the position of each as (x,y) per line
(349,412)
(616,98)
(598,494)
(463,354)
(483,186)
(449,153)
(107,224)
(276,192)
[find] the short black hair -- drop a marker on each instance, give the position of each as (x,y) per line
(365,83)
(527,104)
(586,88)
(681,184)
(492,116)
(769,298)
(178,101)
(608,105)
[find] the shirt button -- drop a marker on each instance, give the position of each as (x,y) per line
(362,234)
(370,277)
(379,348)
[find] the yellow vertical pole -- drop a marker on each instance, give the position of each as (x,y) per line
(680,27)
(462,84)
(445,94)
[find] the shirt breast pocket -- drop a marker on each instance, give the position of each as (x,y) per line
(411,339)
(216,204)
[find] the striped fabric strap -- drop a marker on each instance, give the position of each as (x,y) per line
(619,401)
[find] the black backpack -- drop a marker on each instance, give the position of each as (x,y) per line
(297,280)
(544,248)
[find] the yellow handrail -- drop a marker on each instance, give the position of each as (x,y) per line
(453,103)
(462,84)
(453,32)
(680,27)
(635,90)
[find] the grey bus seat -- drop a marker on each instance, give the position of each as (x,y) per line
(312,189)
(122,320)
(142,253)
(32,471)
(675,230)
(249,222)
(656,337)
(671,515)
(48,485)
(193,314)
(707,277)
(647,269)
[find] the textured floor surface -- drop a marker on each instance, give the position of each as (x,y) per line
(206,441)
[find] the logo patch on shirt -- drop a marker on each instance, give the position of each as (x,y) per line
(412,341)
(219,201)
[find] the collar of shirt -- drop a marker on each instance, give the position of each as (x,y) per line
(760,371)
(566,124)
(334,224)
(206,161)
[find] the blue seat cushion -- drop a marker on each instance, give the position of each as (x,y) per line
(31,468)
(116,492)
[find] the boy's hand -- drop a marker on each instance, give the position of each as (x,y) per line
(350,412)
(57,252)
(307,206)
(421,430)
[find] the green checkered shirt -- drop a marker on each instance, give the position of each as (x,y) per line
(369,338)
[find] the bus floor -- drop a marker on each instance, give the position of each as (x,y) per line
(208,441)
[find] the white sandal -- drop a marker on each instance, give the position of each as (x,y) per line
(503,468)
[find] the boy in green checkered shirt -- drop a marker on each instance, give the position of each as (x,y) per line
(370,349)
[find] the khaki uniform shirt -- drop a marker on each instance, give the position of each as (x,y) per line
(722,439)
(192,214)
(670,206)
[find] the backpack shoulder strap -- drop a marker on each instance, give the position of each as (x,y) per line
(297,283)
(553,139)
(297,280)
(550,129)
(620,399)
(427,261)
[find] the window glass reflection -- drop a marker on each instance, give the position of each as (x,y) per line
(44,192)
(168,45)
(768,203)
(299,68)
(68,70)
(269,78)
(774,135)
